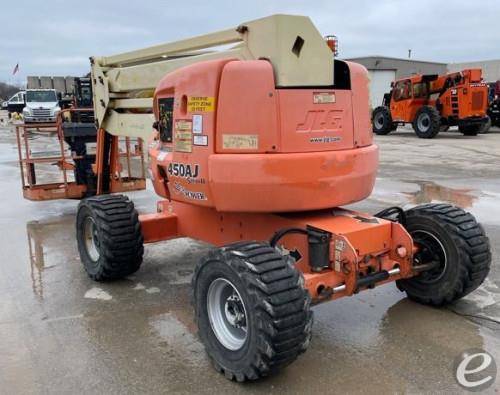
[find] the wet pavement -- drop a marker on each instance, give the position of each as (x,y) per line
(62,333)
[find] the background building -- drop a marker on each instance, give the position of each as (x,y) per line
(491,68)
(383,70)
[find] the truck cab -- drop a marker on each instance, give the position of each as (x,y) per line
(42,105)
(15,103)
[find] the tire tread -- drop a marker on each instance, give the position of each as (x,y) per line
(121,240)
(279,299)
(473,248)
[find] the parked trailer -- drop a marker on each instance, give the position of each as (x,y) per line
(63,85)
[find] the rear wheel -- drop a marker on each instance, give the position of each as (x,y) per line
(109,237)
(470,130)
(486,126)
(251,308)
(455,245)
(427,122)
(382,121)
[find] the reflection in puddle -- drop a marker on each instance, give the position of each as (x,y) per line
(46,248)
(430,192)
(36,256)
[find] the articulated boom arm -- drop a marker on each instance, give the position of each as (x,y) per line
(123,84)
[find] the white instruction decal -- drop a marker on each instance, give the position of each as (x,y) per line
(197,124)
(200,140)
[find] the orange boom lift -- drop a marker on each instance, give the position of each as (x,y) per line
(255,149)
(433,103)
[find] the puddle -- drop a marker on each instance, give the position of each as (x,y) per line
(44,241)
(36,256)
(481,198)
(430,192)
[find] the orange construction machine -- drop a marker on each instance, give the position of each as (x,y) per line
(254,149)
(433,103)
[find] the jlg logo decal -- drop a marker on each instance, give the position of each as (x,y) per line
(183,170)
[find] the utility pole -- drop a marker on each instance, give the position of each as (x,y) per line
(409,53)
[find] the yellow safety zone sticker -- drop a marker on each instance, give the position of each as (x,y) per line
(201,104)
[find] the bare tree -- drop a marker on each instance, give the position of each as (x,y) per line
(7,90)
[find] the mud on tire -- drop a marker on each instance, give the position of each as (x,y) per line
(109,237)
(277,319)
(465,254)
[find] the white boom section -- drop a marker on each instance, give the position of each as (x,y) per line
(123,84)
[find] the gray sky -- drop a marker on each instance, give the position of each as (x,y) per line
(57,37)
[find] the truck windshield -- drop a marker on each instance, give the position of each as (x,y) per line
(41,96)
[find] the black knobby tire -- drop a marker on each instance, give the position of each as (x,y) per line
(470,130)
(466,250)
(486,126)
(116,248)
(427,122)
(382,121)
(278,316)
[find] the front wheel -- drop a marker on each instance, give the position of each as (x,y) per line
(251,308)
(382,121)
(455,245)
(486,126)
(109,237)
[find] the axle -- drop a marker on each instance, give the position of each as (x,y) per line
(339,252)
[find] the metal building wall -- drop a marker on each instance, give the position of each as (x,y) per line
(491,68)
(403,67)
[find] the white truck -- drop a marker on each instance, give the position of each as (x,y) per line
(42,105)
(15,103)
